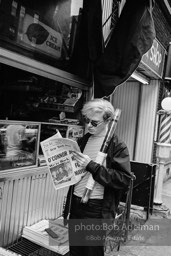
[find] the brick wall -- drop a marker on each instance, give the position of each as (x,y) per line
(162,26)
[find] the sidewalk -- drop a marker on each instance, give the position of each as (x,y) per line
(153,238)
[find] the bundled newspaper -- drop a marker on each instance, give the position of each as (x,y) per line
(50,234)
(64,169)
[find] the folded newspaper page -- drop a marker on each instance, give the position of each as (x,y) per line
(64,170)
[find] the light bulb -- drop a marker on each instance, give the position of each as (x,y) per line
(166,103)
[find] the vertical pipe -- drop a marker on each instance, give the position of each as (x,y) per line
(159,183)
(137,121)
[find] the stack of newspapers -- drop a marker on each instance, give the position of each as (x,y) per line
(5,252)
(50,234)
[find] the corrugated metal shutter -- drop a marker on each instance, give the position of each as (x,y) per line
(147,117)
(138,118)
(25,201)
(126,98)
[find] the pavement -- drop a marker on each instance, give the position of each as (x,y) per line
(150,237)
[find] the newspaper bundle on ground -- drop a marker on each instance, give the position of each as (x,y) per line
(64,170)
(50,234)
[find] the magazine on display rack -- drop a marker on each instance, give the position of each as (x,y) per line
(64,170)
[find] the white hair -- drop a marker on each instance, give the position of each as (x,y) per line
(99,106)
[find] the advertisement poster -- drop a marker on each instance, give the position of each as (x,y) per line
(39,36)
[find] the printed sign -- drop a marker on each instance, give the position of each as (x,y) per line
(154,58)
(40,37)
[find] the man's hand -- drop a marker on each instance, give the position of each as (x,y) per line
(82,159)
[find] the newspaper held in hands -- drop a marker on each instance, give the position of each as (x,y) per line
(64,169)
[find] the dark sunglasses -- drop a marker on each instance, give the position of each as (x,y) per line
(92,122)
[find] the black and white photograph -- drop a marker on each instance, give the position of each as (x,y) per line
(85,127)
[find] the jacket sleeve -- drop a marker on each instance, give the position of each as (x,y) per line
(117,174)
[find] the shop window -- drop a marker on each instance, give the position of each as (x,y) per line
(32,109)
(42,30)
(19,143)
(29,97)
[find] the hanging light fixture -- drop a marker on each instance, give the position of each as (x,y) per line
(142,79)
(166,102)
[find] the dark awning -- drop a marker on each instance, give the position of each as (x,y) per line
(132,37)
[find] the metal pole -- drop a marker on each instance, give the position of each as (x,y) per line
(159,183)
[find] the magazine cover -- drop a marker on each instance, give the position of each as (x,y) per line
(64,170)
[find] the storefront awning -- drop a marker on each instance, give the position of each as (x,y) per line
(153,61)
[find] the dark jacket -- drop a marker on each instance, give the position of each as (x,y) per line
(115,177)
